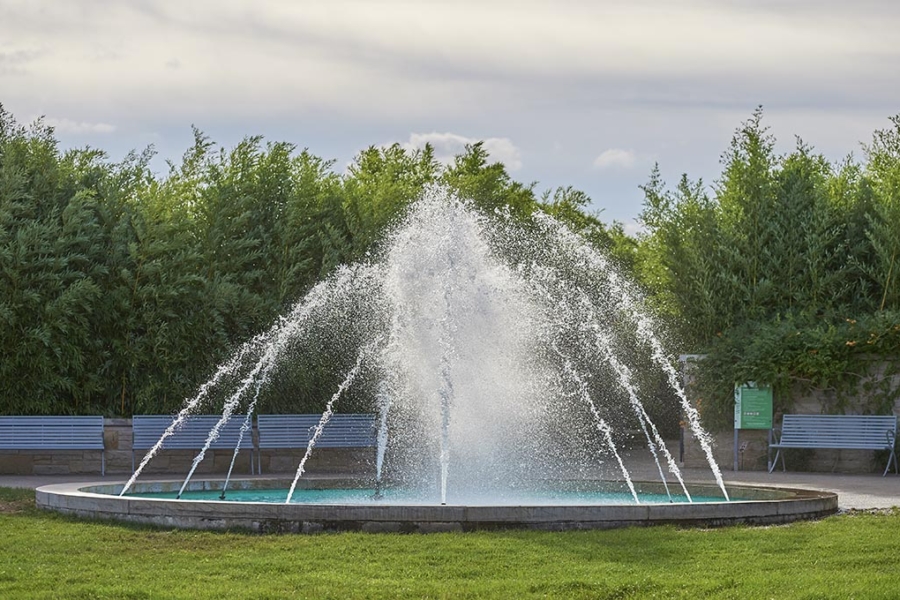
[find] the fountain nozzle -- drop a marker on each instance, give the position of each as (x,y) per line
(378,495)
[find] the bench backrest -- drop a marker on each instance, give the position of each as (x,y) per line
(192,433)
(861,432)
(294,431)
(51,433)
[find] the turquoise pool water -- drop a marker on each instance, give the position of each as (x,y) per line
(398,496)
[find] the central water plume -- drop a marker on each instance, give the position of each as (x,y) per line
(494,354)
(469,403)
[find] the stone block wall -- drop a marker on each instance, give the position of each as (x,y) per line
(355,461)
(49,462)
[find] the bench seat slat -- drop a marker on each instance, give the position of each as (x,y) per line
(838,432)
(191,435)
(51,433)
(54,433)
(295,431)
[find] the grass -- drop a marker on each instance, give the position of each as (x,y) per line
(44,555)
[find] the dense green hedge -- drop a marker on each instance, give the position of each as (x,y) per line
(120,290)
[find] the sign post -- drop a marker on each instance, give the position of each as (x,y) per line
(752,410)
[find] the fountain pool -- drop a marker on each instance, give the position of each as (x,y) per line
(337,505)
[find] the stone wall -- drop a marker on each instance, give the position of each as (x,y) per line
(49,462)
(345,461)
(117,438)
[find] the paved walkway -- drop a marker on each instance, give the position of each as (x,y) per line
(855,491)
(863,492)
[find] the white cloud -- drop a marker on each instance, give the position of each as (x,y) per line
(70,126)
(445,58)
(448,145)
(615,158)
(633,228)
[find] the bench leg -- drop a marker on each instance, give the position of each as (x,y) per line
(892,458)
(775,462)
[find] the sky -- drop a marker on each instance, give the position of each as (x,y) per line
(587,93)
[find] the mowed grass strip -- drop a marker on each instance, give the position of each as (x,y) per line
(44,555)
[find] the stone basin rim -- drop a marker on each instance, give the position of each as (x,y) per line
(769,505)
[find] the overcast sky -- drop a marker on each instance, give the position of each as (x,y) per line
(588,93)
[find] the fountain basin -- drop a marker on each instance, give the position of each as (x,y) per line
(749,504)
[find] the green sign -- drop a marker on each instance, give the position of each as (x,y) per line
(752,407)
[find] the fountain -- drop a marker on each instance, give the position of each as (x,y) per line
(498,358)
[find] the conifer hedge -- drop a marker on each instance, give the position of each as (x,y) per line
(121,289)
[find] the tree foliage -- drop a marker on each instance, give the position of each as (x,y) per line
(121,290)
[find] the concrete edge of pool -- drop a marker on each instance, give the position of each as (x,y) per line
(757,505)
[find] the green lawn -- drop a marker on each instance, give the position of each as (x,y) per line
(43,555)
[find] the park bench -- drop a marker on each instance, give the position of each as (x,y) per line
(53,433)
(294,431)
(837,432)
(191,435)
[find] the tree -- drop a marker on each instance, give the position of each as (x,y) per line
(883,169)
(486,184)
(746,197)
(684,256)
(380,184)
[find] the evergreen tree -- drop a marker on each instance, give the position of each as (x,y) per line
(473,177)
(379,186)
(746,197)
(883,169)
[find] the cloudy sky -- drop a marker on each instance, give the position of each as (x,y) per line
(588,93)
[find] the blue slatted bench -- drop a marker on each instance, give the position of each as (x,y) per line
(294,431)
(191,435)
(837,432)
(53,433)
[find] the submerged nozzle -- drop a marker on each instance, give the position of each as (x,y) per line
(378,495)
